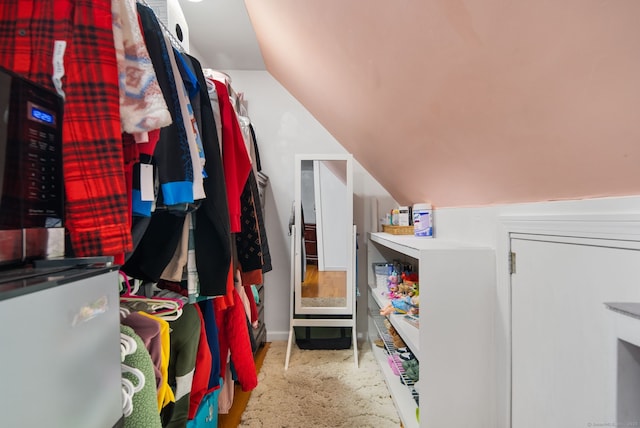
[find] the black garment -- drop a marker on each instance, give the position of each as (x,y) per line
(156,248)
(171,154)
(266,255)
(248,239)
(255,148)
(251,241)
(139,226)
(212,233)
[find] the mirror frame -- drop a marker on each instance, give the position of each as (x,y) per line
(349,308)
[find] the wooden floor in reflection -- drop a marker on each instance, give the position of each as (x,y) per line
(324,284)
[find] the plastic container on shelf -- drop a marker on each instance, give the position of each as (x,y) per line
(382,272)
(423,220)
(395,217)
(403,216)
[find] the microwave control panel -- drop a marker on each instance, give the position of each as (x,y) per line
(31,182)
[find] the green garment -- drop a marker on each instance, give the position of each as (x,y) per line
(184,339)
(145,402)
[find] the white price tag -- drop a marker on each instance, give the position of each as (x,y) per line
(146,182)
(59,47)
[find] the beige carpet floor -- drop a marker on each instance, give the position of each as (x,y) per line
(321,388)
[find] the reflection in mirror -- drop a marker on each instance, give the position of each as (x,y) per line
(325,223)
(323,246)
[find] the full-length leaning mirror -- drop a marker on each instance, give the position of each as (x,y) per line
(324,256)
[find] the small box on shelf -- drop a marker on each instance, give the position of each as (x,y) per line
(397,230)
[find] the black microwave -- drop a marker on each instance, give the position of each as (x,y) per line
(31,180)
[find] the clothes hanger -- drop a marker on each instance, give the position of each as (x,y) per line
(129,389)
(127,397)
(218,75)
(167,308)
(128,345)
(137,374)
(124,312)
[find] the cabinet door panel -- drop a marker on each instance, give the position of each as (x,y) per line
(563,373)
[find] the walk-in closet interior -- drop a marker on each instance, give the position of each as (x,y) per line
(444,192)
(134,241)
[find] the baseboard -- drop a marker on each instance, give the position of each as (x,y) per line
(274,336)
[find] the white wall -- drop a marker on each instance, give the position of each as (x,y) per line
(332,238)
(283,129)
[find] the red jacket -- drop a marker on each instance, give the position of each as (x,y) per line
(200,383)
(233,336)
(235,159)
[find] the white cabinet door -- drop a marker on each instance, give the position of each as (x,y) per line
(563,368)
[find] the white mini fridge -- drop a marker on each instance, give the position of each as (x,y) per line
(60,348)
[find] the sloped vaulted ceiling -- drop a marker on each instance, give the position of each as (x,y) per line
(467,102)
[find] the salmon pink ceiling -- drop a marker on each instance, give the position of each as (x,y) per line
(458,102)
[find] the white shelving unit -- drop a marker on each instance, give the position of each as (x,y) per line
(454,342)
(402,390)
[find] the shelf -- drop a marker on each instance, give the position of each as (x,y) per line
(404,395)
(410,334)
(413,245)
(454,341)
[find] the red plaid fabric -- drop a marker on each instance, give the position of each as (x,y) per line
(95,190)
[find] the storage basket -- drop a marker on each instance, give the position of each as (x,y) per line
(397,230)
(323,337)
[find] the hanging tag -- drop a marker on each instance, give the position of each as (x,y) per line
(146,182)
(59,47)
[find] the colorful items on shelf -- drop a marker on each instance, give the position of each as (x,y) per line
(402,291)
(402,305)
(395,337)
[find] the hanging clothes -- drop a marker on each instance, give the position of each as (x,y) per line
(235,158)
(172,153)
(184,338)
(156,248)
(212,233)
(165,393)
(209,317)
(202,370)
(207,312)
(154,333)
(142,105)
(234,340)
(174,270)
(252,239)
(145,408)
(190,125)
(139,152)
(253,248)
(138,155)
(207,413)
(256,153)
(77,38)
(266,253)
